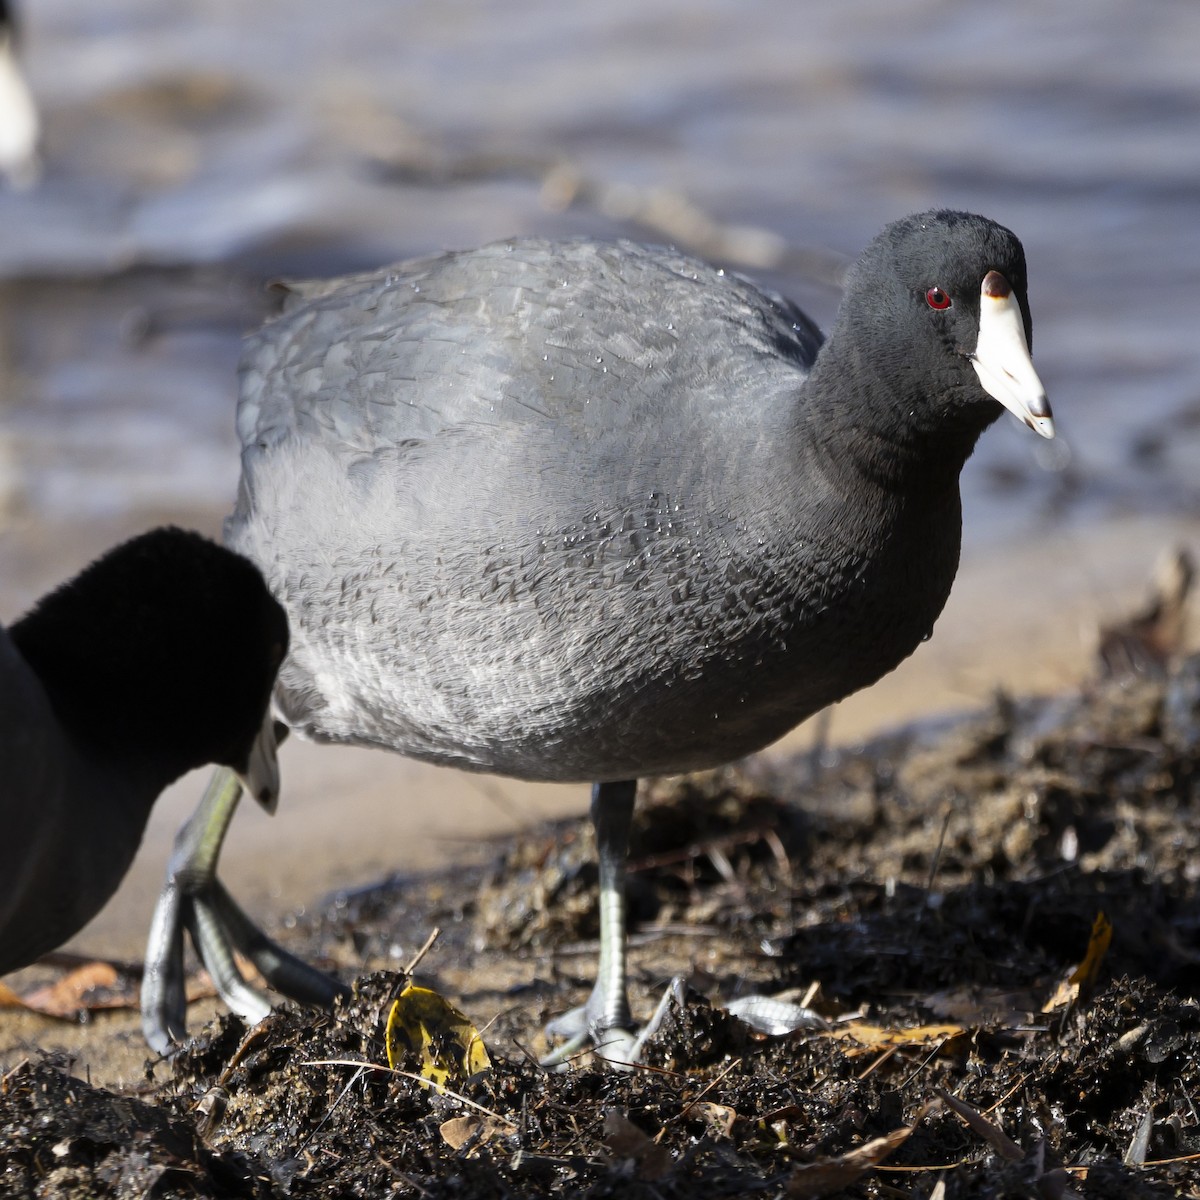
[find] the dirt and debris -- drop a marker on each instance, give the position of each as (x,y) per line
(931,895)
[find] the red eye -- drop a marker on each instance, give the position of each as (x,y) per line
(936,298)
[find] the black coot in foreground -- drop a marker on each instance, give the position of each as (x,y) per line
(576,511)
(158,658)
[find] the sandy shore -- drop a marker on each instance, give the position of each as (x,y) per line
(1023,619)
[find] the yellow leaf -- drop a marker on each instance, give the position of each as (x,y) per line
(446,1045)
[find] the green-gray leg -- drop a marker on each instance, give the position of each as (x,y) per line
(605,1019)
(194,899)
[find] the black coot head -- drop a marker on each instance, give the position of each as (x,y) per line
(161,653)
(913,308)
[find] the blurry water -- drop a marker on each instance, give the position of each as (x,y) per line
(194,150)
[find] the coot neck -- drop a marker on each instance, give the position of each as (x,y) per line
(876,417)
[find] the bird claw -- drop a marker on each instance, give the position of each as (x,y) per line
(622,1048)
(163,999)
(219,930)
(617,1046)
(194,899)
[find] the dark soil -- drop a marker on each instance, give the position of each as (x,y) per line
(945,877)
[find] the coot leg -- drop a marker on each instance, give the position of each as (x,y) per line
(194,899)
(605,1019)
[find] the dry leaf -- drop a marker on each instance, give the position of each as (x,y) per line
(93,986)
(973,1007)
(990,1132)
(1054,1184)
(9,998)
(1083,978)
(819,1179)
(719,1117)
(458,1131)
(876,1037)
(625,1141)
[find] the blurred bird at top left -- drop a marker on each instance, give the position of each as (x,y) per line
(20,127)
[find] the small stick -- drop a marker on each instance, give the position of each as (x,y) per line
(424,950)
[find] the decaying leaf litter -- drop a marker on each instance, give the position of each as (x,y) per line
(933,897)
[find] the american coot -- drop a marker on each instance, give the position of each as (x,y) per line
(576,511)
(157,658)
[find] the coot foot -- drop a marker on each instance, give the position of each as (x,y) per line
(622,1048)
(194,899)
(618,1046)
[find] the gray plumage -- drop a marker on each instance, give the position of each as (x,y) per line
(549,510)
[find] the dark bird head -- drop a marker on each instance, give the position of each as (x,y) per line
(941,300)
(160,657)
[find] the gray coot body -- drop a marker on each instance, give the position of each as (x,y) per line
(158,658)
(573,511)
